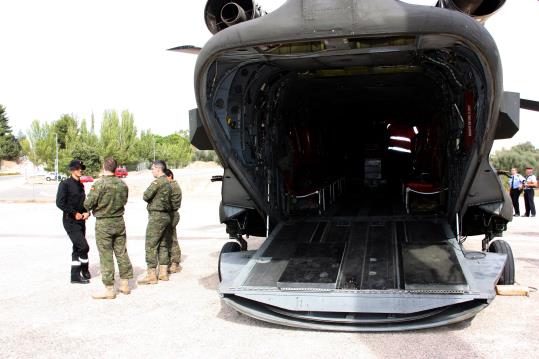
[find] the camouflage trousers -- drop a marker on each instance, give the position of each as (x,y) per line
(110,238)
(175,251)
(157,238)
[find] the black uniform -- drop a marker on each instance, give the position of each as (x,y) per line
(70,199)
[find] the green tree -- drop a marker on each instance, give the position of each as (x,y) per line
(109,134)
(520,156)
(127,138)
(175,149)
(4,122)
(65,125)
(88,136)
(118,136)
(10,148)
(89,155)
(144,146)
(41,148)
(205,156)
(27,150)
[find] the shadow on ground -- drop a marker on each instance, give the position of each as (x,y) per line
(210,282)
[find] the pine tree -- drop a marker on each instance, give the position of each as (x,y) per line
(4,126)
(10,148)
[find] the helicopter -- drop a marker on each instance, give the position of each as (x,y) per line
(355,138)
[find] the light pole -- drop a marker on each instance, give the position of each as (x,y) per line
(56,160)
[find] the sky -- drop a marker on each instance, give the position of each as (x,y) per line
(83,57)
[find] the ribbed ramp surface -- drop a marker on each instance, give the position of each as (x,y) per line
(374,255)
(360,274)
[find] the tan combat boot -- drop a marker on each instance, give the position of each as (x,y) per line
(150,278)
(175,268)
(163,272)
(109,293)
(124,286)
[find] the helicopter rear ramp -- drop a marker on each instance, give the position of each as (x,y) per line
(360,274)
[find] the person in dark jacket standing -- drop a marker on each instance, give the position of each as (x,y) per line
(70,199)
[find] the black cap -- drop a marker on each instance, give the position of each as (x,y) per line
(75,164)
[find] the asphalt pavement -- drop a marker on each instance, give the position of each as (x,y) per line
(42,315)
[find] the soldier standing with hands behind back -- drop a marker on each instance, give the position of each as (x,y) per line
(158,196)
(107,200)
(70,199)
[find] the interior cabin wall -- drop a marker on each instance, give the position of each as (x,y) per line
(329,129)
(296,129)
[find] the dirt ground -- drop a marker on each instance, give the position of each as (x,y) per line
(42,315)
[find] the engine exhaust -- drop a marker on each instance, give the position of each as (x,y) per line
(232,14)
(481,10)
(220,14)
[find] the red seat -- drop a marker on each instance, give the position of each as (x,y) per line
(422,187)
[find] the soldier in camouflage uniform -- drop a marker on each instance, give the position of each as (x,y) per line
(174,247)
(107,199)
(158,196)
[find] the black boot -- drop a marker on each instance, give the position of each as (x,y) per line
(84,270)
(76,276)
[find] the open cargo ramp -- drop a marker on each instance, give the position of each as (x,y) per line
(350,273)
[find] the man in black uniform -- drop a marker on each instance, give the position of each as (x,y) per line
(70,199)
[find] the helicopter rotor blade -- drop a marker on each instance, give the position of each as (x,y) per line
(186,49)
(529,105)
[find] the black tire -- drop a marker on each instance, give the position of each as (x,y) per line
(47,179)
(508,273)
(229,247)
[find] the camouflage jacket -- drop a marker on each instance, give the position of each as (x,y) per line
(107,197)
(158,195)
(176,197)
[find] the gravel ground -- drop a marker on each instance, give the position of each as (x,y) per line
(43,315)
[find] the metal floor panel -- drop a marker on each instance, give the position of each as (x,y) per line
(313,265)
(425,232)
(379,270)
(353,260)
(432,267)
(285,243)
(266,274)
(358,255)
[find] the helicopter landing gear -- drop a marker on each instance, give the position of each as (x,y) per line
(508,273)
(502,247)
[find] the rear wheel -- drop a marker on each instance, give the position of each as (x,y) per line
(508,273)
(229,247)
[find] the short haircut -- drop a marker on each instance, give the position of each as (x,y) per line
(160,164)
(169,173)
(110,164)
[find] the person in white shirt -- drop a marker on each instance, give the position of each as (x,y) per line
(516,184)
(530,184)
